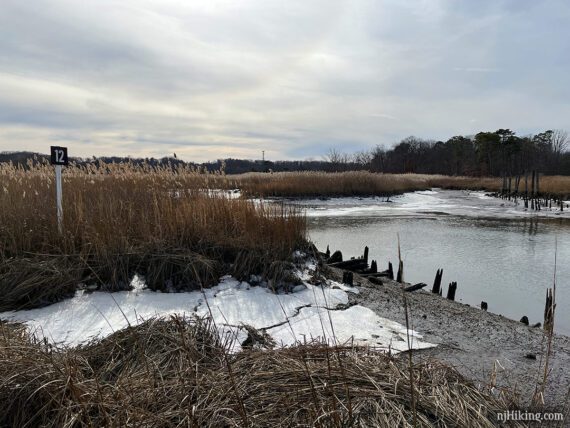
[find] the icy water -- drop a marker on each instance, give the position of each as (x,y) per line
(495,250)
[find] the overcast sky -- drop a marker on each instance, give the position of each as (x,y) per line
(212,79)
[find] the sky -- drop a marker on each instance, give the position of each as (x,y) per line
(211,79)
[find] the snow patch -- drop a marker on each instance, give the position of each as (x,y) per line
(357,324)
(289,318)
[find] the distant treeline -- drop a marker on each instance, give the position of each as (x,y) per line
(484,154)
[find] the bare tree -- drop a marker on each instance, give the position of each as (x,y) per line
(559,141)
(334,156)
(362,158)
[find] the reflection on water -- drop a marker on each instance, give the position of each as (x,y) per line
(494,250)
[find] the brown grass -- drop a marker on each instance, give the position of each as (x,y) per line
(361,183)
(122,219)
(177,372)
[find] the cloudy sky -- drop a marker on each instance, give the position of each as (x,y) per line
(211,79)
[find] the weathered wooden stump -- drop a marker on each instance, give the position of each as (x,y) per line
(373,267)
(335,258)
(415,287)
(390,271)
(376,281)
(484,306)
(400,276)
(451,290)
(524,320)
(348,278)
(352,264)
(436,289)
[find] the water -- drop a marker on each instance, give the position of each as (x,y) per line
(494,249)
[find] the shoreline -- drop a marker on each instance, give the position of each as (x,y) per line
(480,345)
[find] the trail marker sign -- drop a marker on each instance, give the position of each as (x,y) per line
(59,158)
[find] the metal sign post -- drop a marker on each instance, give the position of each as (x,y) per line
(59,159)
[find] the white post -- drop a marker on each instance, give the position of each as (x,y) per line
(58,198)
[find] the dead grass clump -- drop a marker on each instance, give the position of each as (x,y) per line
(176,270)
(27,283)
(178,372)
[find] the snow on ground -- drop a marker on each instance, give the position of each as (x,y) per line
(357,323)
(289,318)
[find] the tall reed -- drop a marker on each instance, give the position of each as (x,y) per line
(362,183)
(122,219)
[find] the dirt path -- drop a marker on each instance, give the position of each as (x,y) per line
(475,341)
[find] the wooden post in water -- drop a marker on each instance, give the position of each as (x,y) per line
(328,253)
(400,277)
(517,182)
(526,189)
(451,290)
(390,271)
(373,267)
(436,289)
(366,254)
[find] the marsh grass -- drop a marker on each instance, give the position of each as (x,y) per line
(179,372)
(125,219)
(362,183)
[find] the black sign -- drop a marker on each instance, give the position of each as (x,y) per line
(59,155)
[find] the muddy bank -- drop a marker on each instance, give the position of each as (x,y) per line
(475,342)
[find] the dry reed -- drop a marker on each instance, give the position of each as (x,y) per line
(178,372)
(125,219)
(362,183)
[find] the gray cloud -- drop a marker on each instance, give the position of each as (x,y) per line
(217,78)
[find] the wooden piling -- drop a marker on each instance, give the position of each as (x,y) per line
(451,290)
(526,189)
(373,267)
(366,254)
(415,287)
(436,289)
(400,277)
(335,257)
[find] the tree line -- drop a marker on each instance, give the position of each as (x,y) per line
(486,153)
(496,153)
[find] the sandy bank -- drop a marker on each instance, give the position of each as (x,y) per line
(475,342)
